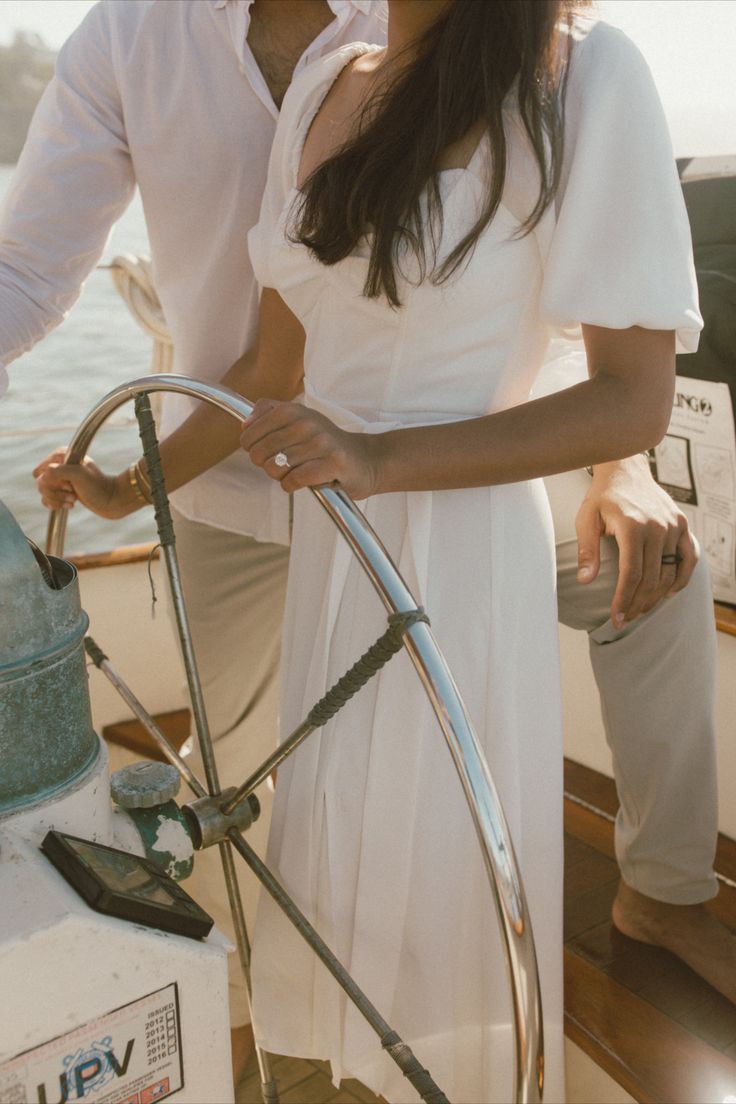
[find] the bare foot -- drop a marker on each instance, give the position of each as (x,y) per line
(241,1042)
(689,931)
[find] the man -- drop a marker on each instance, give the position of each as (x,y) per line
(182,99)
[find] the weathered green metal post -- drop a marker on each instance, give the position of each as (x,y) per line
(46,735)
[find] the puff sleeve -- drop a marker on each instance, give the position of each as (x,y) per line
(620,253)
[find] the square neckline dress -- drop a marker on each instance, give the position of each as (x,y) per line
(370,832)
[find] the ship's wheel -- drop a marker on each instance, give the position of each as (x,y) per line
(219,817)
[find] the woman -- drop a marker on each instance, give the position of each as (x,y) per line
(421,234)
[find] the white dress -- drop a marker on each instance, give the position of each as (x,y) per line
(370,832)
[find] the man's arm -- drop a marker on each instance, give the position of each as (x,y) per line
(73,181)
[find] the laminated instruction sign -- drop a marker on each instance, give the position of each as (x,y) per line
(696,463)
(131,1055)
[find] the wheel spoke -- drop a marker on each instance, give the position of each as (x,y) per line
(165,527)
(391,1042)
(361,672)
(101,661)
(269,1091)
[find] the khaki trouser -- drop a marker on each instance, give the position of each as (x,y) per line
(234,590)
(655,678)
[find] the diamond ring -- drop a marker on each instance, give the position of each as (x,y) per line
(281,460)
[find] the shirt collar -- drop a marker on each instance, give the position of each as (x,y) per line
(237,13)
(336,6)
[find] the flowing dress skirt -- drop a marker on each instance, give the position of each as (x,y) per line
(371,833)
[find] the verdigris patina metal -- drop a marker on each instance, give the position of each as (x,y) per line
(46,735)
(145,791)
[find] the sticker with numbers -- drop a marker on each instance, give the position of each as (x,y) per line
(131,1055)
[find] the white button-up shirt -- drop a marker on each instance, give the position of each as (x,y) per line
(165,94)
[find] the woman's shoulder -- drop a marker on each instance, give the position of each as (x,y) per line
(301,103)
(312,84)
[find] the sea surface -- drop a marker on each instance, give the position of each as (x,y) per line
(54,386)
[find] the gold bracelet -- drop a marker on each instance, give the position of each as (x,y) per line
(137,490)
(144,481)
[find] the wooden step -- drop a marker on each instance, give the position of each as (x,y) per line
(176,727)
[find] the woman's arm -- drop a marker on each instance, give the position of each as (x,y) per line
(273,366)
(622,409)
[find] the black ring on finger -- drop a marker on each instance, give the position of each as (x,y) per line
(672,558)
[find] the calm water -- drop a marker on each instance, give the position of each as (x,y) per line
(52,388)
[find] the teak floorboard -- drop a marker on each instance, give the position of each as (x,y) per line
(654,1025)
(649,1021)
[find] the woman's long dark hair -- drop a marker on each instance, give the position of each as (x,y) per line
(461,73)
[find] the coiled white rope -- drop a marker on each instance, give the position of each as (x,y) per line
(133,279)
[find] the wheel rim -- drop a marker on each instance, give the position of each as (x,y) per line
(482,798)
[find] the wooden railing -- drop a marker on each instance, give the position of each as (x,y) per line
(139,553)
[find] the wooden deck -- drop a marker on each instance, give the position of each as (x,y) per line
(653,1025)
(656,1027)
(301,1082)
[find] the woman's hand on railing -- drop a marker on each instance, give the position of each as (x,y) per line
(61,485)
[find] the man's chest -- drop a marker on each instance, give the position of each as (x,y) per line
(276,67)
(199,123)
(277,44)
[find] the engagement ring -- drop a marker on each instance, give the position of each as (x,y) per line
(281,460)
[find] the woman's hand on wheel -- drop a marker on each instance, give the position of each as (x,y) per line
(61,485)
(301,448)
